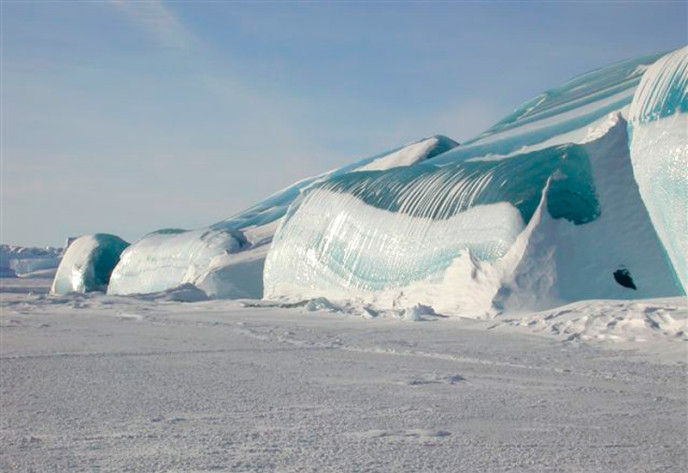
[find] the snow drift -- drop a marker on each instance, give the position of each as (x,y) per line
(87,264)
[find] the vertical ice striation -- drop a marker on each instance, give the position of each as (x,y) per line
(560,115)
(226,259)
(519,219)
(542,208)
(380,230)
(274,207)
(659,150)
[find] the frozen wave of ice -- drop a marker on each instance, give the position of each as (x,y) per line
(541,209)
(226,259)
(523,233)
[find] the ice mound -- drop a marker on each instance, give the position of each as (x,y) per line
(659,152)
(541,209)
(169,258)
(226,260)
(87,264)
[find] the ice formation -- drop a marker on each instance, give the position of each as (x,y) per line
(529,231)
(87,264)
(226,259)
(540,210)
(659,152)
(28,262)
(543,208)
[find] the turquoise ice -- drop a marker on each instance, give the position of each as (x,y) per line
(659,151)
(544,207)
(87,264)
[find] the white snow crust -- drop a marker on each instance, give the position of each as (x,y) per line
(96,382)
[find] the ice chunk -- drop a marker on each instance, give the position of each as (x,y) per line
(169,258)
(540,209)
(659,151)
(410,154)
(88,263)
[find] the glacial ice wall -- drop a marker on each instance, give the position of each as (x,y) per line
(87,264)
(226,259)
(381,229)
(659,151)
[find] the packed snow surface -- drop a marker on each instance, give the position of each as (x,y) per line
(93,382)
(88,263)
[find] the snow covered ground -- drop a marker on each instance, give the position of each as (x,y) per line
(106,383)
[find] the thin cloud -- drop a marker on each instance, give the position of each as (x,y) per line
(161,22)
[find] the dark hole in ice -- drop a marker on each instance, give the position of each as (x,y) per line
(623,277)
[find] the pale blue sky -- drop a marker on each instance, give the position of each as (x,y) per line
(128,117)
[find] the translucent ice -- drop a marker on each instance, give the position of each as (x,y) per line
(540,209)
(659,151)
(462,235)
(87,264)
(226,259)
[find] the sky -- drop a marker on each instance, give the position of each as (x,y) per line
(127,117)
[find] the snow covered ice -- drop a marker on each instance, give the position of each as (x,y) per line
(111,383)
